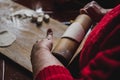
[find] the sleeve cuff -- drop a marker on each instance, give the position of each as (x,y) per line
(54,72)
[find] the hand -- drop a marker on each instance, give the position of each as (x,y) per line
(95,11)
(45,44)
(41,55)
(40,51)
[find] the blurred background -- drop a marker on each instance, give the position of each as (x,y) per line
(64,10)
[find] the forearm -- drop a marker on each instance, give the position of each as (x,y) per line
(43,58)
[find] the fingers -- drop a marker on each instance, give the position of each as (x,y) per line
(89,6)
(46,42)
(90,10)
(38,41)
(83,11)
(49,35)
(92,3)
(94,10)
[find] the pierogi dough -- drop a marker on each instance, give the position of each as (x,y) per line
(6,38)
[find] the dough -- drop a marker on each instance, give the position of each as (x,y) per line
(6,38)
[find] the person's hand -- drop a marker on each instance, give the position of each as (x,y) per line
(95,11)
(44,44)
(41,55)
(40,51)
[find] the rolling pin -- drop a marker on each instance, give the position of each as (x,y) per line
(71,39)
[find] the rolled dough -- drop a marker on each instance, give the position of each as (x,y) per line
(6,38)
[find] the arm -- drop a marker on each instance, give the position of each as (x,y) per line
(42,58)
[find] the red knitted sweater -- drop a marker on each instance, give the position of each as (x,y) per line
(100,56)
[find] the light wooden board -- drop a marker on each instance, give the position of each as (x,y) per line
(26,32)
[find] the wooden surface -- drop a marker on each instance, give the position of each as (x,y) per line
(26,32)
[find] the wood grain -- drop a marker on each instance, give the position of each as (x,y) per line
(26,32)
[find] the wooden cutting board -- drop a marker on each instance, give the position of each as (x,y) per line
(26,32)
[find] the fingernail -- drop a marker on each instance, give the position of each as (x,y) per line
(49,32)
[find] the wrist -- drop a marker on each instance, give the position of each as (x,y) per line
(42,50)
(42,60)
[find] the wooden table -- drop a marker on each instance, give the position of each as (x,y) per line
(26,32)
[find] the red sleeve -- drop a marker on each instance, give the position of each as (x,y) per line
(100,57)
(104,66)
(54,73)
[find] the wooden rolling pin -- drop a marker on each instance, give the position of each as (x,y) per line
(72,38)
